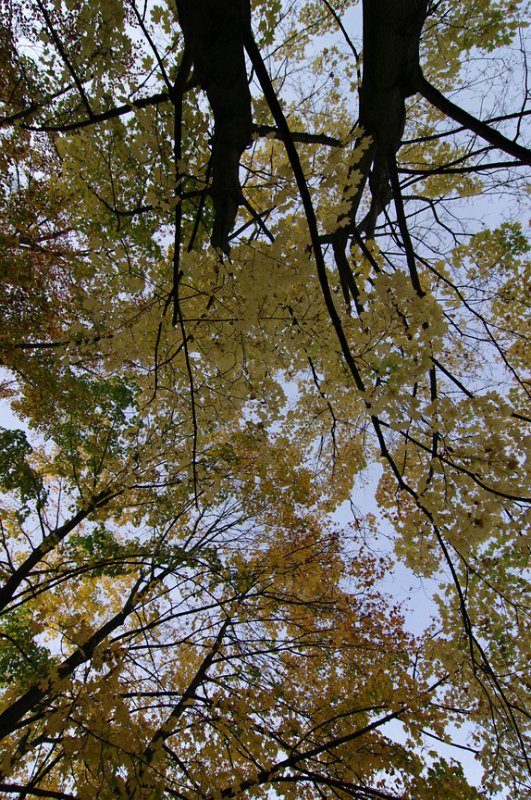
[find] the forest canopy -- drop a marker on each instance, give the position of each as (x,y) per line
(256,258)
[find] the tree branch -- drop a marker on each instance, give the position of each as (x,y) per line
(483,130)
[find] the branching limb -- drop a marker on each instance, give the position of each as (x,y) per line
(62,52)
(470,122)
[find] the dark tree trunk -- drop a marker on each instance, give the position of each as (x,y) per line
(214,32)
(391,72)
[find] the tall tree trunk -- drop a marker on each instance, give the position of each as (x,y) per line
(214,32)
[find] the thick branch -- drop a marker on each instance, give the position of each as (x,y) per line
(111,113)
(490,135)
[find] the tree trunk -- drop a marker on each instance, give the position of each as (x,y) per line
(214,32)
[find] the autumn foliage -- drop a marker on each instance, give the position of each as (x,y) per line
(254,260)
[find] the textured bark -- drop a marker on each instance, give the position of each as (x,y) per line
(391,72)
(214,32)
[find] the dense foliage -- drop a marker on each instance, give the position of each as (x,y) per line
(220,312)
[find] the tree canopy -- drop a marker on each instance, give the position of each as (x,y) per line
(252,253)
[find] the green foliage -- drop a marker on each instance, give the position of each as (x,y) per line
(102,553)
(22,659)
(16,474)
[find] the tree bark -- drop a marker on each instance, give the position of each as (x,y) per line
(391,72)
(214,31)
(391,69)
